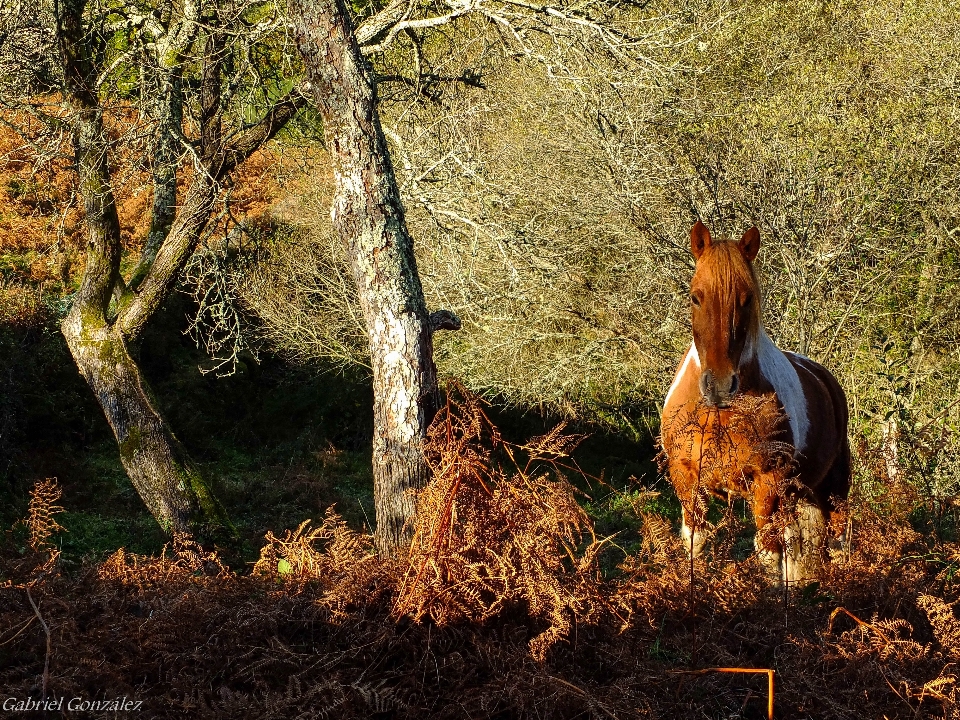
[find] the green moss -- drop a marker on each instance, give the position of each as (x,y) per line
(110,352)
(130,445)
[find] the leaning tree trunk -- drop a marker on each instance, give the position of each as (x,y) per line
(108,315)
(368,214)
(157,464)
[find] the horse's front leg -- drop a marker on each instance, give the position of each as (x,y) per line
(804,540)
(687,484)
(693,538)
(768,546)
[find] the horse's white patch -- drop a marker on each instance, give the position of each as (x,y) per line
(777,368)
(692,356)
(693,542)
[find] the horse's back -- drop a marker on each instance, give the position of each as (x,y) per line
(826,401)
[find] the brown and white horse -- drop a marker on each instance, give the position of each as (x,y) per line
(731,361)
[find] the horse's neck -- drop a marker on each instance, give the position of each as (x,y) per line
(774,367)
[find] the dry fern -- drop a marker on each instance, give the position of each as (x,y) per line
(40,525)
(728,448)
(943,620)
(491,535)
(498,612)
(41,514)
(341,560)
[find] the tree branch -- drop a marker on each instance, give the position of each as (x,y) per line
(168,135)
(173,254)
(90,146)
(194,214)
(378,24)
(421,24)
(257,135)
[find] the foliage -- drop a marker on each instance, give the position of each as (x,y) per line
(41,513)
(341,560)
(551,208)
(726,452)
(300,288)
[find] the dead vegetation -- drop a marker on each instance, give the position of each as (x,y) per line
(42,232)
(499,611)
(493,536)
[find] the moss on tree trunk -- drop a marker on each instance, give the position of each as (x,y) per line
(158,466)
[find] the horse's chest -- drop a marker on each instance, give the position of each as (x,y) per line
(723,450)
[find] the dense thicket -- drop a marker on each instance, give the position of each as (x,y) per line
(551,208)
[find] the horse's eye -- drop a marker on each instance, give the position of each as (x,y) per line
(695,300)
(745,299)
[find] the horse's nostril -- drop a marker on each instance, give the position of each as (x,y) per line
(709,389)
(707,385)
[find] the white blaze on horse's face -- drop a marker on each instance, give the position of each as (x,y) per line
(725,311)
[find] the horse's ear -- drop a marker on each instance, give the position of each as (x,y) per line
(699,239)
(750,243)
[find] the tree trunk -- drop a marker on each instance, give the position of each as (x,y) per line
(157,464)
(369,216)
(99,332)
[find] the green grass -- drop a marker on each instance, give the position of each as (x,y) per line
(93,536)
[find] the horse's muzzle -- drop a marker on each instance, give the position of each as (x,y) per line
(716,392)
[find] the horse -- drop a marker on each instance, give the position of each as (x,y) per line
(730,379)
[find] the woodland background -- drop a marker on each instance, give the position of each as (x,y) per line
(550,178)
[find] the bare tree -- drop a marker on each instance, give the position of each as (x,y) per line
(166,66)
(551,209)
(367,209)
(369,216)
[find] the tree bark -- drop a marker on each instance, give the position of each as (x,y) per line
(160,469)
(368,214)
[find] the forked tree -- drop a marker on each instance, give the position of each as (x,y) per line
(162,71)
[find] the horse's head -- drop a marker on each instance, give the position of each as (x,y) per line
(725,310)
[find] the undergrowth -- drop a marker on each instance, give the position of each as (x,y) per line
(499,610)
